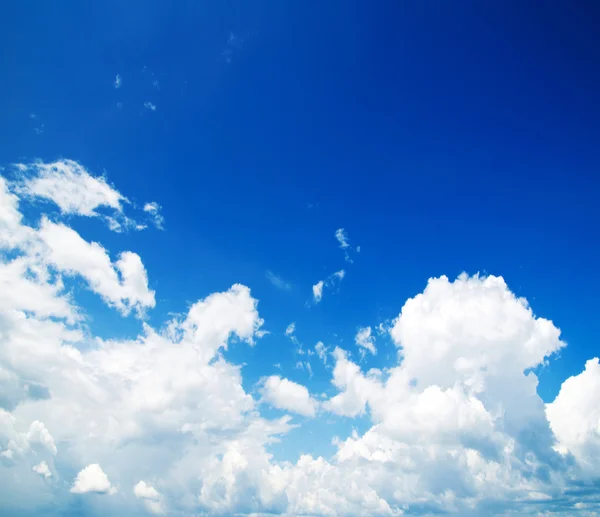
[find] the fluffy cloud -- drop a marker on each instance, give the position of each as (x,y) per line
(92,479)
(70,186)
(574,417)
(289,396)
(454,424)
(150,497)
(123,284)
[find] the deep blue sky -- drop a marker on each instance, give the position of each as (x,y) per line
(443,136)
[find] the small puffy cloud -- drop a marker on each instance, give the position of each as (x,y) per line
(149,106)
(340,274)
(153,209)
(42,469)
(574,416)
(289,396)
(278,282)
(149,495)
(317,290)
(70,186)
(92,479)
(365,340)
(117,82)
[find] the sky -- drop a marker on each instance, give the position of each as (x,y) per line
(299,258)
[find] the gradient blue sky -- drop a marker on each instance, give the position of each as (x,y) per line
(442,136)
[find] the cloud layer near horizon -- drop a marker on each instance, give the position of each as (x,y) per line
(161,422)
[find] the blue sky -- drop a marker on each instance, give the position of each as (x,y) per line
(441,137)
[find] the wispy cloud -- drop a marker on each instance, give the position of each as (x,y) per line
(153,209)
(278,282)
(149,106)
(117,82)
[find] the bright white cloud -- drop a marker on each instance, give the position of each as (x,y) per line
(574,416)
(317,290)
(455,425)
(42,469)
(92,479)
(70,186)
(289,396)
(123,284)
(365,340)
(150,497)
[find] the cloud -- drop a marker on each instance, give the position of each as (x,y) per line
(70,186)
(330,281)
(123,284)
(153,209)
(117,82)
(342,238)
(452,424)
(321,351)
(288,395)
(317,290)
(92,479)
(150,496)
(149,106)
(42,469)
(278,282)
(574,417)
(365,340)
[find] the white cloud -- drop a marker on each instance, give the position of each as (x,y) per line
(321,351)
(154,209)
(574,416)
(92,479)
(118,81)
(290,329)
(288,395)
(340,274)
(150,496)
(365,340)
(70,186)
(317,290)
(42,469)
(123,284)
(454,423)
(342,238)
(149,106)
(278,282)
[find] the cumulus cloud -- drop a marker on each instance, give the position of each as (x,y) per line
(92,479)
(288,395)
(453,424)
(123,284)
(574,417)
